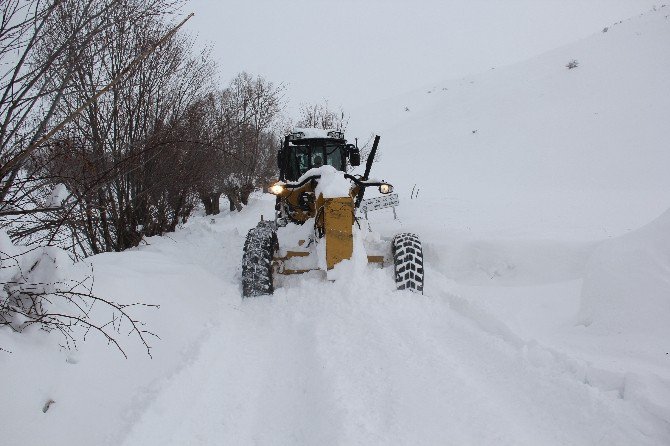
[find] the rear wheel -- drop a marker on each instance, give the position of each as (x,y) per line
(408,262)
(259,249)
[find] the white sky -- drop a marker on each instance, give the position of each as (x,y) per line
(355,52)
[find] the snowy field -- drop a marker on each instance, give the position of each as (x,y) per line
(542,198)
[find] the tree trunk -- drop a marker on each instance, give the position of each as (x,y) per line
(207,202)
(235,204)
(244,193)
(216,207)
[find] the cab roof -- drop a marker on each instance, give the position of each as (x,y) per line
(300,133)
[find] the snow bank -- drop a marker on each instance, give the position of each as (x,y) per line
(37,268)
(191,274)
(625,314)
(627,284)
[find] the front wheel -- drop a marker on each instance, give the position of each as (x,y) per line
(408,262)
(259,249)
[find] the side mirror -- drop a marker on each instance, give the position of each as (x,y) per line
(354,155)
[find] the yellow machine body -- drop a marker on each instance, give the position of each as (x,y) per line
(338,222)
(333,219)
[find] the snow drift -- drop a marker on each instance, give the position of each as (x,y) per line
(626,285)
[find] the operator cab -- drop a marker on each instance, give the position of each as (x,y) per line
(305,149)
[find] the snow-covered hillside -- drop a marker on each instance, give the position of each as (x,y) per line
(582,150)
(544,318)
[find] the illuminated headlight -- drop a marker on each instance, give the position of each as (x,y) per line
(385,188)
(277,188)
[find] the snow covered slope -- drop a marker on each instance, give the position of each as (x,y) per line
(544,319)
(580,152)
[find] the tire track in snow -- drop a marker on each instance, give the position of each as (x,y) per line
(356,362)
(308,370)
(256,375)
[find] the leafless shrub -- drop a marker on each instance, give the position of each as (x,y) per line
(122,158)
(68,307)
(37,61)
(320,116)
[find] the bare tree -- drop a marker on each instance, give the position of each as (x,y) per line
(241,151)
(36,70)
(122,158)
(320,116)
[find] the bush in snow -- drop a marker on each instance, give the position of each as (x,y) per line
(572,64)
(35,291)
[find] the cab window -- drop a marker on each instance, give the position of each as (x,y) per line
(299,161)
(303,158)
(334,157)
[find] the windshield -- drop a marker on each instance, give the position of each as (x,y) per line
(305,157)
(334,156)
(299,161)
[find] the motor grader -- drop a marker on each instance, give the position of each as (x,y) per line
(316,226)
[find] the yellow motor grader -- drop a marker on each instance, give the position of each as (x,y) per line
(315,225)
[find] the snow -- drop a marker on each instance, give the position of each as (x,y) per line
(544,314)
(579,151)
(58,196)
(7,252)
(332,183)
(626,286)
(291,235)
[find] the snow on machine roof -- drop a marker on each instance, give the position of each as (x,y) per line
(312,133)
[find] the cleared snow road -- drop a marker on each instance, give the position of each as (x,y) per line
(357,362)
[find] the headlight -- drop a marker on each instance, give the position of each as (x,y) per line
(385,188)
(277,188)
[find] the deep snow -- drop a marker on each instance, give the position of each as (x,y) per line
(544,319)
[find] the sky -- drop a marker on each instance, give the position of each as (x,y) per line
(352,53)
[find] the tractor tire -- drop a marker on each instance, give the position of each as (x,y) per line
(259,249)
(408,262)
